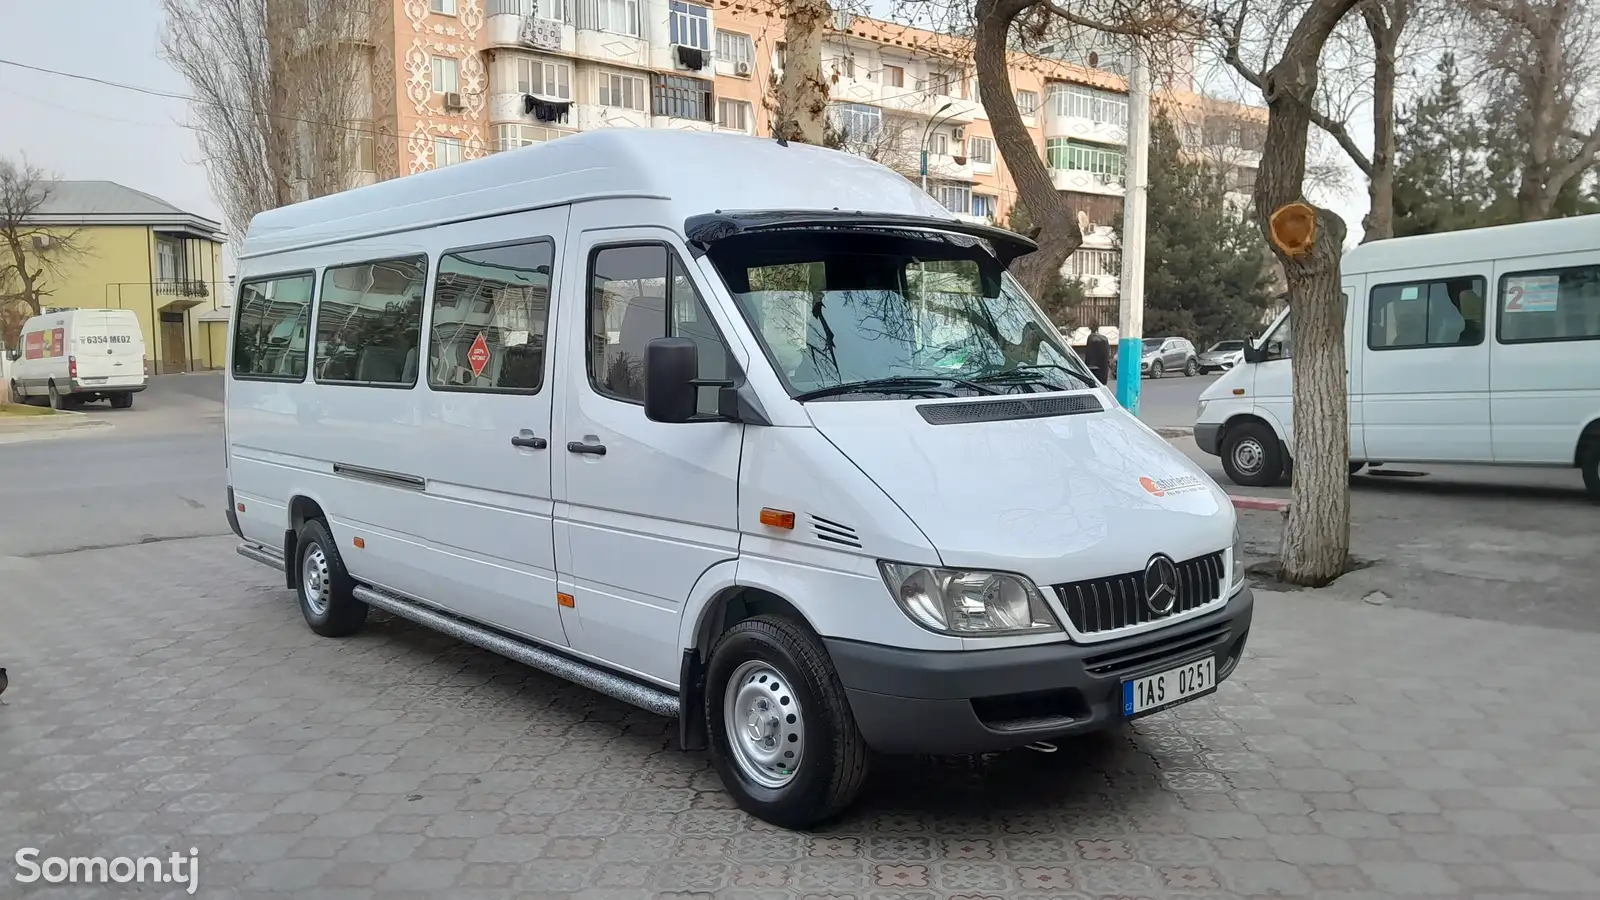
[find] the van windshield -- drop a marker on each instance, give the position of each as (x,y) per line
(863,316)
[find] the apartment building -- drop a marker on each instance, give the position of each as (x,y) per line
(457,79)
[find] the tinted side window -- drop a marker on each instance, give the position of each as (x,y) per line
(638,293)
(269,341)
(369,322)
(1447,312)
(1550,305)
(490,308)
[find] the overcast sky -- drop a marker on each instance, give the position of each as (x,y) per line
(83,130)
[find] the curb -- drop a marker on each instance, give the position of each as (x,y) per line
(1269,504)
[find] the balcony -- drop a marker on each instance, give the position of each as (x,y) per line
(1087,182)
(531,33)
(507,107)
(945,167)
(589,116)
(682,124)
(1080,129)
(610,47)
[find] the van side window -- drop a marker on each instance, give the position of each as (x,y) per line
(1448,312)
(269,340)
(490,308)
(1550,305)
(638,293)
(369,322)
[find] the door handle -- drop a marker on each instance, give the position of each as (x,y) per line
(527,439)
(591,449)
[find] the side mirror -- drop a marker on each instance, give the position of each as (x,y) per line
(671,370)
(13,355)
(1252,353)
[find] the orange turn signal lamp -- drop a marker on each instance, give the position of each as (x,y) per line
(777,518)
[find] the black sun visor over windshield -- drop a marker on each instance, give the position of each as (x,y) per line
(705,230)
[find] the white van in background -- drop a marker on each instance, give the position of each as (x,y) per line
(79,355)
(1469,347)
(755,435)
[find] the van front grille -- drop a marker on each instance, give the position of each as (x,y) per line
(1105,605)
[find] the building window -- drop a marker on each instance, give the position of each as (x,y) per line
(983,205)
(780,55)
(1100,107)
(894,76)
(1092,263)
(501,295)
(981,150)
(615,16)
(369,322)
(1446,312)
(845,66)
(682,98)
(736,48)
(1072,156)
(446,75)
(510,137)
(939,144)
(274,317)
(621,91)
(856,121)
(547,79)
(1550,305)
(636,294)
(169,261)
(361,144)
(1027,102)
(443,7)
(734,114)
(690,25)
(955,197)
(446,151)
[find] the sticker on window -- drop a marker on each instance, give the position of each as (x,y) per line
(1409,293)
(1532,293)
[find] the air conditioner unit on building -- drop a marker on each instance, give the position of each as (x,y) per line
(958,133)
(452,100)
(742,68)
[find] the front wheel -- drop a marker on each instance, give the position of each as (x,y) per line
(1157,369)
(1590,463)
(17,396)
(1190,369)
(326,590)
(783,738)
(1252,456)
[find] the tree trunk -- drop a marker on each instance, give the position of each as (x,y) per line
(1058,233)
(1379,222)
(803,92)
(1309,241)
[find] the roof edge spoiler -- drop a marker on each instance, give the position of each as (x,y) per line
(708,228)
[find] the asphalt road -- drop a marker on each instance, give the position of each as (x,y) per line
(1170,401)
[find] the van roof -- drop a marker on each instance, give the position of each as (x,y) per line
(1552,236)
(696,172)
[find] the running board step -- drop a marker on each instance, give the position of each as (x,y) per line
(644,696)
(264,555)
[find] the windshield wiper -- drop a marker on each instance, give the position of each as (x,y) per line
(1030,373)
(911,385)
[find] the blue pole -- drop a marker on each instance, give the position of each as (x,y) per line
(1130,350)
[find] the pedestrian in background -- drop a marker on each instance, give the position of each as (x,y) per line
(1097,353)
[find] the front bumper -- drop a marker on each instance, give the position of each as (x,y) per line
(1208,438)
(943,702)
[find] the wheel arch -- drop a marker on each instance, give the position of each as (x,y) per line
(1588,436)
(302,507)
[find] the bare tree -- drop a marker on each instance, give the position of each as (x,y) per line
(1308,242)
(281,90)
(801,112)
(1368,71)
(1540,61)
(31,252)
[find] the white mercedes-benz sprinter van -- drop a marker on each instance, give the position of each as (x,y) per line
(79,355)
(754,435)
(1475,347)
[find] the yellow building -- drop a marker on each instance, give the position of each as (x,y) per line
(141,253)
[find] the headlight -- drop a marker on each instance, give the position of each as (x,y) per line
(977,604)
(1200,410)
(1237,579)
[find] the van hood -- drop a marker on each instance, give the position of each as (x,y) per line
(1059,498)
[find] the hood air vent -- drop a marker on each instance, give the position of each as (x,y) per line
(1012,408)
(834,533)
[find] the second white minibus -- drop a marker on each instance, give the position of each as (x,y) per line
(755,435)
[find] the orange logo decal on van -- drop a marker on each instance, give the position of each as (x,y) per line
(1171,487)
(1149,484)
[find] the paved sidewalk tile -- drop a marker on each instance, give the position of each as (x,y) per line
(169,696)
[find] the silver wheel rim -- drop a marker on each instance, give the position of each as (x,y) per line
(1248,455)
(765,724)
(315,581)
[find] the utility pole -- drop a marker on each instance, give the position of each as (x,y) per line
(1130,346)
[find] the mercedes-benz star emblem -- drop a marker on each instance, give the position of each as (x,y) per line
(1161,584)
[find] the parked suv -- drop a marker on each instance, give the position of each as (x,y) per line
(1173,354)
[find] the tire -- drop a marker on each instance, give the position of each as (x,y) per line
(57,401)
(121,401)
(1589,461)
(1252,455)
(325,589)
(1157,369)
(778,660)
(17,396)
(1190,369)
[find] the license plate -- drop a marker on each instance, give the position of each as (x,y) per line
(1152,692)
